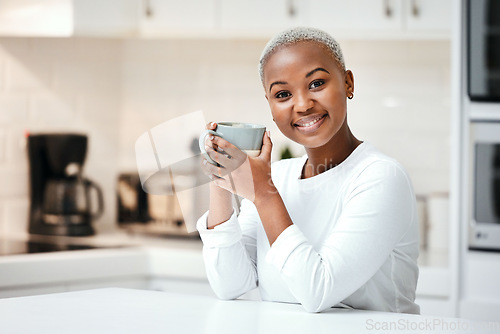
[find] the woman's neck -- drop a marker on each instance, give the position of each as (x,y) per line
(330,155)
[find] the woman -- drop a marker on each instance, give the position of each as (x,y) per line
(336,227)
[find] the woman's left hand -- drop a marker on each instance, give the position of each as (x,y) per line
(245,176)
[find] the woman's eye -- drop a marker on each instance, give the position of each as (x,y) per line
(316,84)
(282,95)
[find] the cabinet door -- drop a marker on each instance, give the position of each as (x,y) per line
(354,16)
(36,18)
(106,17)
(442,307)
(428,15)
(260,15)
(174,16)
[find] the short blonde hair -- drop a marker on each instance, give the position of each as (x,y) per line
(300,34)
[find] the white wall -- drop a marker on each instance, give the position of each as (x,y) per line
(114,90)
(57,85)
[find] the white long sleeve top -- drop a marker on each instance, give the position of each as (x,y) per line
(353,242)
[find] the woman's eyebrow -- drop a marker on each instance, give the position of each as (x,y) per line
(307,75)
(316,70)
(277,83)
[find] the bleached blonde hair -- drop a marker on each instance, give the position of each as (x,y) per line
(300,34)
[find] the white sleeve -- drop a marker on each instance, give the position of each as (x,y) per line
(229,253)
(376,215)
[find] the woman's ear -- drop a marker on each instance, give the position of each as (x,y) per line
(349,84)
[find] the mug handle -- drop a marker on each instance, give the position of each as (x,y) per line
(201,143)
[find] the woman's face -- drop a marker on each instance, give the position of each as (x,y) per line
(306,90)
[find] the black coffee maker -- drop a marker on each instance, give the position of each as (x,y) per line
(61,202)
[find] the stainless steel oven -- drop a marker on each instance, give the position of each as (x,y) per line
(485,177)
(483,49)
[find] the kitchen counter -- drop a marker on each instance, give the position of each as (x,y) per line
(134,311)
(141,262)
(124,261)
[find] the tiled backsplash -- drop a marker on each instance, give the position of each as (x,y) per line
(114,90)
(57,85)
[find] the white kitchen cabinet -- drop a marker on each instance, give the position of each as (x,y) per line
(144,18)
(259,16)
(39,289)
(480,295)
(381,18)
(106,17)
(224,18)
(56,287)
(62,18)
(344,19)
(355,16)
(428,15)
(433,288)
(482,310)
(435,306)
(173,17)
(36,18)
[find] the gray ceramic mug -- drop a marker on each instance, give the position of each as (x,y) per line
(245,136)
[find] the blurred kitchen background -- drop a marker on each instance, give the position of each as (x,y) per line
(114,89)
(112,69)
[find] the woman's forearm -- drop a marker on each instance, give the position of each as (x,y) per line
(221,206)
(273,213)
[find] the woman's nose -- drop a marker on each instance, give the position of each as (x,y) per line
(303,102)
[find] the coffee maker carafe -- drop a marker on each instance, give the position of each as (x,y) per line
(61,198)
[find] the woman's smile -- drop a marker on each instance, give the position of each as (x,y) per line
(310,123)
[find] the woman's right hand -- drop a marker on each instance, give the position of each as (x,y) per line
(205,164)
(222,157)
(221,206)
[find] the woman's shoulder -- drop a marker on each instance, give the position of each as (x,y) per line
(366,156)
(377,165)
(377,160)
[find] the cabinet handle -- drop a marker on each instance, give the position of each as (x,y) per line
(292,11)
(148,8)
(415,8)
(387,8)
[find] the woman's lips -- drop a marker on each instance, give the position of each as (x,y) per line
(310,125)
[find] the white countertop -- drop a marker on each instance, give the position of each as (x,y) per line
(125,311)
(139,262)
(143,256)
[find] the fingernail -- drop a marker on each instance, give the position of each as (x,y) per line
(269,133)
(212,123)
(211,137)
